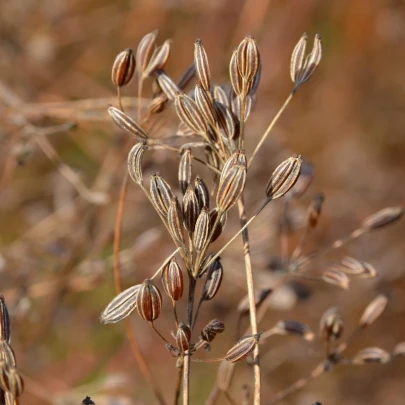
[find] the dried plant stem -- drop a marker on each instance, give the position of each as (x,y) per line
(119,99)
(178,382)
(251,294)
(270,127)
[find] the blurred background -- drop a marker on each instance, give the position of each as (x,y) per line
(59,190)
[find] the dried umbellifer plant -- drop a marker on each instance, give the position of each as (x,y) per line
(212,122)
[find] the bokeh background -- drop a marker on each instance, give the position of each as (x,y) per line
(56,242)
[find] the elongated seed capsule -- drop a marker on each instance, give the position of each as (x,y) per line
(15,383)
(373,310)
(7,354)
(158,104)
(260,295)
(145,51)
(231,187)
(284,177)
(304,180)
(135,158)
(331,325)
(371,355)
(202,193)
(123,68)
(149,301)
(314,210)
(202,66)
(297,58)
(248,60)
(191,209)
(350,265)
(3,376)
(311,62)
(202,229)
(121,306)
(5,329)
(159,59)
(175,220)
(337,278)
(189,114)
(126,123)
(234,74)
(167,85)
(242,348)
(291,327)
(205,104)
(220,95)
(185,170)
(183,336)
(220,226)
(368,271)
(382,218)
(228,122)
(161,193)
(214,280)
(211,330)
(172,280)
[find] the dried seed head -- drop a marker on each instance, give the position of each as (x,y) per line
(161,194)
(304,180)
(145,51)
(295,328)
(159,58)
(149,301)
(242,348)
(399,349)
(202,193)
(205,104)
(210,331)
(331,325)
(372,355)
(189,114)
(314,210)
(220,226)
(167,85)
(172,280)
(123,68)
(202,230)
(191,209)
(126,123)
(185,170)
(373,310)
(15,383)
(382,218)
(232,181)
(214,280)
(202,66)
(5,330)
(187,76)
(175,221)
(135,158)
(260,295)
(234,74)
(284,177)
(121,306)
(7,354)
(183,336)
(248,61)
(337,278)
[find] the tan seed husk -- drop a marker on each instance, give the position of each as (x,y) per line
(297,58)
(5,329)
(214,280)
(123,68)
(175,221)
(158,104)
(167,85)
(3,376)
(248,61)
(373,310)
(368,271)
(184,174)
(172,280)
(191,209)
(159,58)
(234,74)
(371,355)
(336,277)
(189,114)
(126,123)
(205,104)
(160,193)
(7,354)
(145,51)
(202,230)
(183,336)
(227,121)
(242,348)
(284,177)
(220,95)
(134,162)
(331,325)
(149,301)
(121,306)
(202,66)
(236,107)
(202,193)
(382,218)
(350,265)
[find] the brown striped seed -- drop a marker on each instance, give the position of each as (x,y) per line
(234,74)
(158,104)
(248,61)
(291,327)
(202,193)
(149,301)
(15,383)
(160,193)
(237,110)
(205,104)
(227,121)
(202,230)
(126,123)
(121,306)
(371,355)
(7,354)
(211,330)
(373,310)
(304,180)
(297,58)
(220,95)
(183,336)
(336,277)
(242,348)
(187,76)
(172,280)
(220,226)
(260,295)
(175,220)
(189,114)
(134,162)
(167,85)
(382,218)
(331,325)
(202,66)
(314,210)
(214,280)
(284,177)
(159,59)
(191,209)
(5,330)
(184,175)
(123,68)
(145,51)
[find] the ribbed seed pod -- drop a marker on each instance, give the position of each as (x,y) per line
(248,60)
(121,306)
(256,82)
(382,218)
(134,162)
(297,328)
(284,177)
(231,186)
(331,325)
(220,95)
(167,85)
(5,330)
(314,210)
(242,348)
(7,354)
(159,58)
(202,229)
(158,104)
(336,277)
(183,336)
(172,280)
(373,310)
(236,107)
(202,193)
(126,123)
(371,355)
(214,280)
(123,68)
(191,209)
(350,265)
(202,66)
(175,220)
(161,193)
(187,76)
(3,375)
(189,114)
(185,170)
(205,104)
(15,383)
(304,180)
(145,51)
(227,121)
(260,295)
(234,74)
(211,330)
(220,226)
(297,58)
(149,301)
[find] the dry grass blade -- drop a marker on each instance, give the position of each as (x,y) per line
(373,310)
(202,66)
